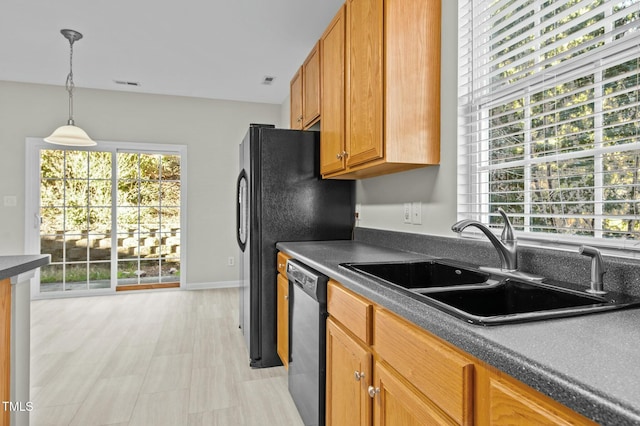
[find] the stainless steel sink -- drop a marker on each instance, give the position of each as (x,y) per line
(421,275)
(511,301)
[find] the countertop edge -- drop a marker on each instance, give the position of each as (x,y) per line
(566,390)
(11,266)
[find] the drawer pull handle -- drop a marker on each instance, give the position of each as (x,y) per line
(358,375)
(373,391)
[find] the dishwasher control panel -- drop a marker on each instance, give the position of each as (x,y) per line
(309,280)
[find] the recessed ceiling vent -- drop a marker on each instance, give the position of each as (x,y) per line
(127,83)
(268,80)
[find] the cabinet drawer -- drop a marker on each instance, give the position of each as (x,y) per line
(440,373)
(282,263)
(512,403)
(353,311)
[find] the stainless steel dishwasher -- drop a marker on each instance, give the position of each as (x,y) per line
(307,347)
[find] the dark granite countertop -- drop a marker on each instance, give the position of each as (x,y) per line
(11,266)
(588,363)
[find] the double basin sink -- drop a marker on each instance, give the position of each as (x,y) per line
(482,298)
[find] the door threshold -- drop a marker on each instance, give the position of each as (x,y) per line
(133,287)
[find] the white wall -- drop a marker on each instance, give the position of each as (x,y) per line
(382,198)
(211,130)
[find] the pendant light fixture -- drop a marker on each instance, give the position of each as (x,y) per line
(70,134)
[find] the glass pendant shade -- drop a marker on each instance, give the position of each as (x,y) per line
(70,135)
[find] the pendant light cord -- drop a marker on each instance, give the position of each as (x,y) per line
(69,84)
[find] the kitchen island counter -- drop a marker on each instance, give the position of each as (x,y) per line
(588,363)
(15,310)
(11,266)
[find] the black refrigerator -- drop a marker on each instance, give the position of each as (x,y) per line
(280,197)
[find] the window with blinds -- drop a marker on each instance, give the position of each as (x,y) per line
(549,117)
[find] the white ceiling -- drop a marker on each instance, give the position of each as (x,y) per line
(218,49)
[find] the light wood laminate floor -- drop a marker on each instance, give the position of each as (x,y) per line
(150,358)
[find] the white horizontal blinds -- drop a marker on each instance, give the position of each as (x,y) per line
(549,115)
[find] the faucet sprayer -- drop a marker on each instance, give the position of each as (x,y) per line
(597,269)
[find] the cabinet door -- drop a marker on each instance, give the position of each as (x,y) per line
(311,87)
(332,109)
(445,376)
(283,320)
(296,101)
(412,71)
(364,81)
(348,377)
(396,404)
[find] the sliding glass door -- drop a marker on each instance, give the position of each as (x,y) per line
(110,216)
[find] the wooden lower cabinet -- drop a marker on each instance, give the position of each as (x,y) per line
(506,401)
(282,336)
(441,373)
(396,403)
(282,309)
(348,378)
(383,370)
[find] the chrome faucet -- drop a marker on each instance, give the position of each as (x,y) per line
(506,245)
(597,269)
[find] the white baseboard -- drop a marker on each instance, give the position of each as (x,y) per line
(211,285)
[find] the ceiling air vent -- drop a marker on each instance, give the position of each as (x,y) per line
(127,83)
(268,80)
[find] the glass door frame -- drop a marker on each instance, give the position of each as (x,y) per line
(32,207)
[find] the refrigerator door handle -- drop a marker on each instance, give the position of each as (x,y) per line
(242,209)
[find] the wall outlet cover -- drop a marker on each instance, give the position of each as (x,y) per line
(406,213)
(416,211)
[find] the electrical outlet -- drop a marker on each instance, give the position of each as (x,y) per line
(406,215)
(231,261)
(416,210)
(358,212)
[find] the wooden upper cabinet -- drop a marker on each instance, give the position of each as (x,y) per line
(296,101)
(311,87)
(392,87)
(364,80)
(332,108)
(305,92)
(412,80)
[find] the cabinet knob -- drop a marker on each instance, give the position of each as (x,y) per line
(280,265)
(373,391)
(358,375)
(286,297)
(339,156)
(344,154)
